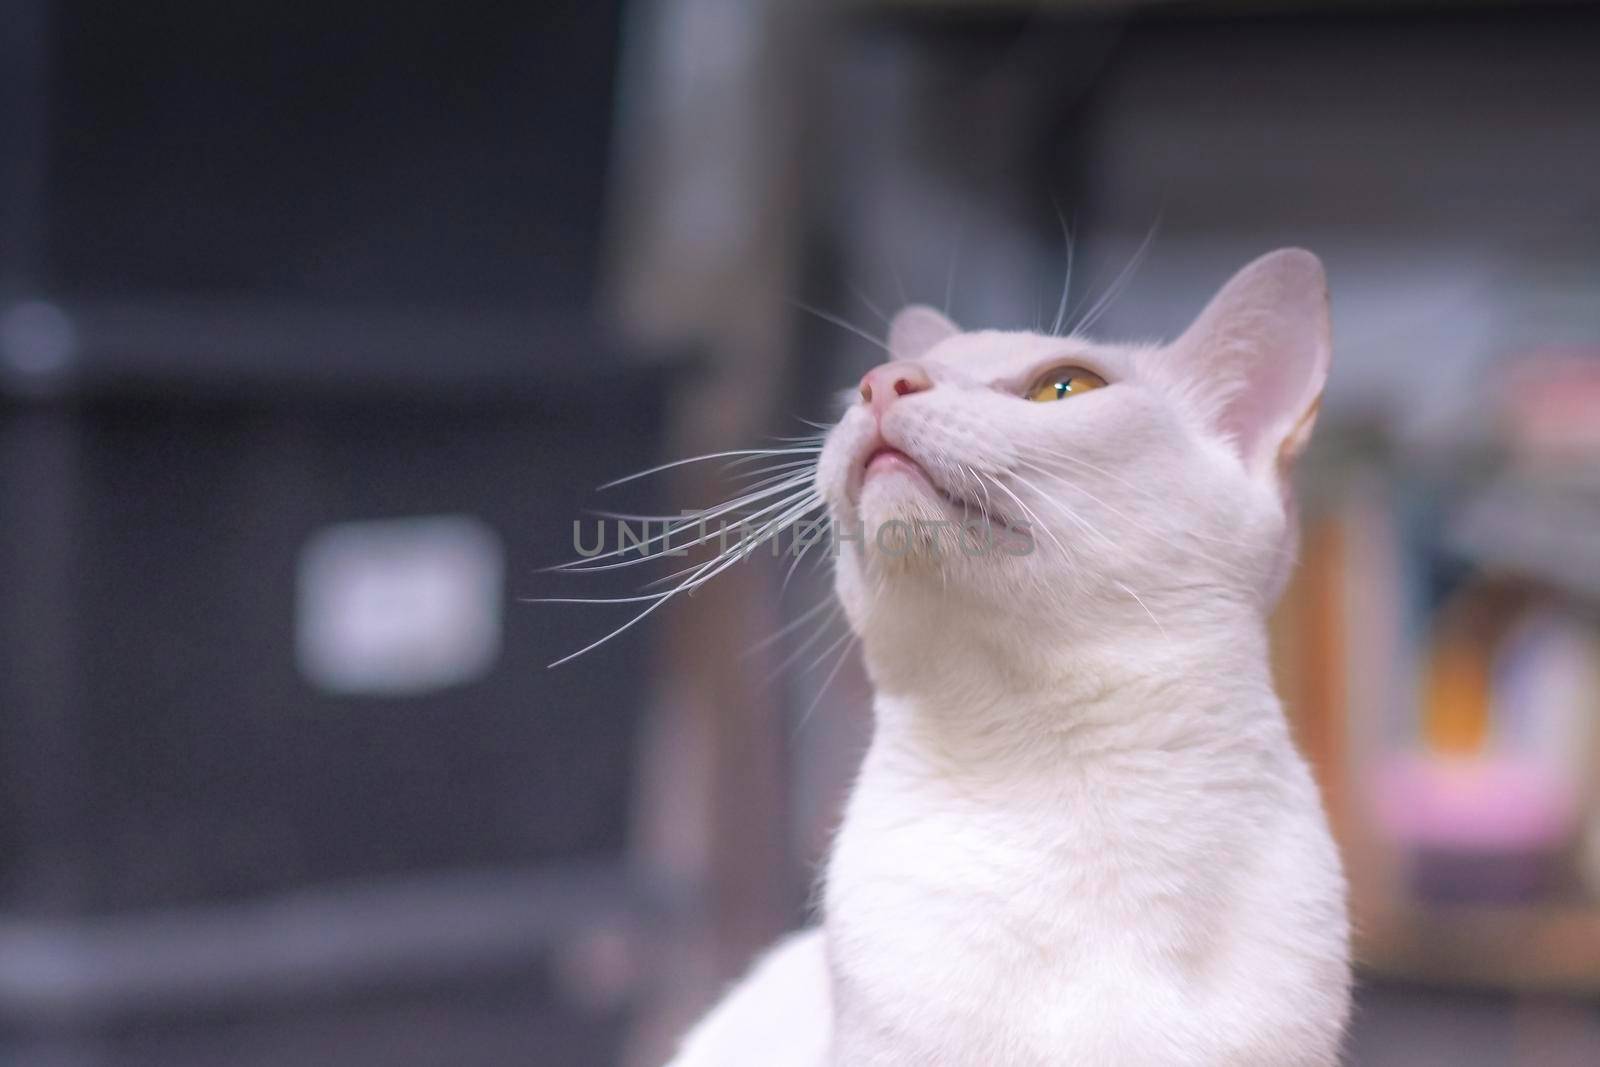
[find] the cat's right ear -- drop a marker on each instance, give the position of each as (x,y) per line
(1257,358)
(916,329)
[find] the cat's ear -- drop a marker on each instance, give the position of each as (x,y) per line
(916,329)
(1258,354)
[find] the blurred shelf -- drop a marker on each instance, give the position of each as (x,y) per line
(1522,948)
(89,346)
(308,944)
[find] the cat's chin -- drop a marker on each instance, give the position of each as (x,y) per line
(908,526)
(900,521)
(895,500)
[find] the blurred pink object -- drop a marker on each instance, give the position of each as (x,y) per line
(1483,829)
(1551,411)
(1482,803)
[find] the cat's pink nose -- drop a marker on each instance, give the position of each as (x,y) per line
(883,385)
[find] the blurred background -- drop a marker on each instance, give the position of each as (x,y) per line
(319,326)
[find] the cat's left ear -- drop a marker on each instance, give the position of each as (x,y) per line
(1260,349)
(916,329)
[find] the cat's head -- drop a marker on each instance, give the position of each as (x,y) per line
(1047,487)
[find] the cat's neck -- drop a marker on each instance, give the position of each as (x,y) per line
(1095,794)
(1085,785)
(1006,698)
(1129,773)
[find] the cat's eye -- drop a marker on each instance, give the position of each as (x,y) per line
(1064,382)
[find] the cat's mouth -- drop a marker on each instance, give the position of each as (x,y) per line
(880,459)
(884,458)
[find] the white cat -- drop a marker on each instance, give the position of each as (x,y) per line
(1081,835)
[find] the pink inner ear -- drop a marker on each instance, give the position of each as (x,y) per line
(1266,335)
(1275,393)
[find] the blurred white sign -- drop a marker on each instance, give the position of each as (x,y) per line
(399,606)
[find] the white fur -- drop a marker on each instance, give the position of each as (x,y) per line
(777,1017)
(1081,834)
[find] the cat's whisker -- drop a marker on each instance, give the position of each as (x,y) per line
(1066,287)
(1163,538)
(765,468)
(1050,453)
(822,691)
(861,296)
(640,617)
(1076,519)
(843,324)
(821,560)
(791,627)
(676,524)
(1073,485)
(650,557)
(814,440)
(766,463)
(1026,510)
(950,272)
(1141,490)
(799,439)
(795,482)
(698,575)
(808,643)
(710,456)
(773,485)
(1071,515)
(1114,290)
(767,475)
(768,531)
(829,651)
(899,282)
(642,547)
(986,505)
(805,550)
(1129,590)
(752,539)
(803,475)
(816,635)
(970,477)
(637,599)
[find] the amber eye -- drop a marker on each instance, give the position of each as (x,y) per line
(1064,382)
